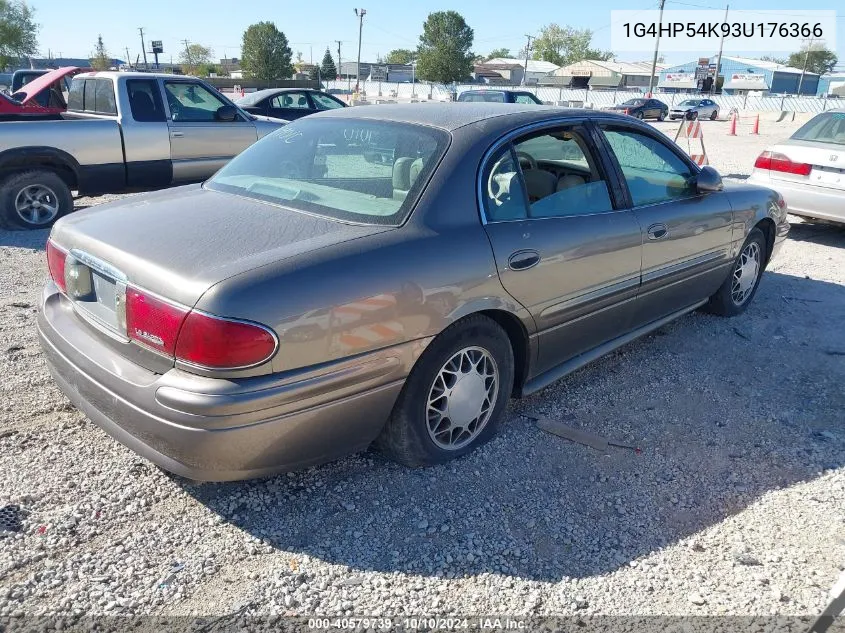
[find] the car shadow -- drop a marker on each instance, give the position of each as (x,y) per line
(36,240)
(817,233)
(721,411)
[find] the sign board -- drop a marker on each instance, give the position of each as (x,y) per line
(703,61)
(580,73)
(671,78)
(701,72)
(157,47)
(378,73)
(752,78)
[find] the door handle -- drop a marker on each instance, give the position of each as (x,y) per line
(523,260)
(658,232)
(177,134)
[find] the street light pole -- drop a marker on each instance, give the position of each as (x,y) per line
(527,51)
(360,13)
(804,67)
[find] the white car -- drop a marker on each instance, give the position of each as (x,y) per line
(808,169)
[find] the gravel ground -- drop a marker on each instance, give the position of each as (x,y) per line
(735,503)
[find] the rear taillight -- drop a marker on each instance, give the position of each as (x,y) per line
(627,111)
(210,341)
(153,322)
(56,263)
(775,161)
(195,337)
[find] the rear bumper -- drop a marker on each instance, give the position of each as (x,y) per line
(806,200)
(212,429)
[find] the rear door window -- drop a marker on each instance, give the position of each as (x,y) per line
(145,100)
(95,96)
(104,95)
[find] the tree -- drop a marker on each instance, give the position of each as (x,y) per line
(101,59)
(327,68)
(500,52)
(265,54)
(563,45)
(194,58)
(444,52)
(315,73)
(18,32)
(820,60)
(399,56)
(775,60)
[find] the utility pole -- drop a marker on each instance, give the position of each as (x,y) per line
(804,67)
(719,56)
(656,48)
(187,55)
(128,59)
(527,51)
(339,65)
(360,13)
(143,47)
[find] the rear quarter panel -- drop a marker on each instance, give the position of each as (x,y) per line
(753,204)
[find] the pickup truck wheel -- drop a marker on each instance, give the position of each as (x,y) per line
(33,199)
(454,397)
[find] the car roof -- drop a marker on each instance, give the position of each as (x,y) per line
(451,116)
(270,91)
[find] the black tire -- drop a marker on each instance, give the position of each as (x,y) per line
(405,438)
(692,116)
(56,193)
(714,115)
(661,116)
(723,303)
(639,115)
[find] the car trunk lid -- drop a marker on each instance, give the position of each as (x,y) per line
(826,163)
(176,244)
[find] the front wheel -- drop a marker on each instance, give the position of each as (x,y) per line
(661,116)
(639,115)
(741,285)
(714,115)
(33,199)
(454,397)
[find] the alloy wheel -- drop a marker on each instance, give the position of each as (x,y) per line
(745,273)
(37,205)
(462,398)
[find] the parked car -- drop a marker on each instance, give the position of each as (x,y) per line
(288,103)
(42,98)
(279,315)
(808,168)
(122,132)
(642,108)
(499,96)
(695,109)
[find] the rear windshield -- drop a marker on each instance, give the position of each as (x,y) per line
(489,97)
(823,128)
(358,170)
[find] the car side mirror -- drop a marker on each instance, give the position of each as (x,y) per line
(708,180)
(226,113)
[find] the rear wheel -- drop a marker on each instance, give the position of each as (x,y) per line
(661,116)
(741,285)
(639,114)
(454,398)
(33,199)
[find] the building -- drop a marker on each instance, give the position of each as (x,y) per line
(535,71)
(594,74)
(401,73)
(498,74)
(833,83)
(60,62)
(738,76)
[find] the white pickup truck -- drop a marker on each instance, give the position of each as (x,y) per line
(122,132)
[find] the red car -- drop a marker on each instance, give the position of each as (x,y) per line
(41,98)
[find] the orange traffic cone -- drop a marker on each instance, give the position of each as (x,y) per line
(756,128)
(733,125)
